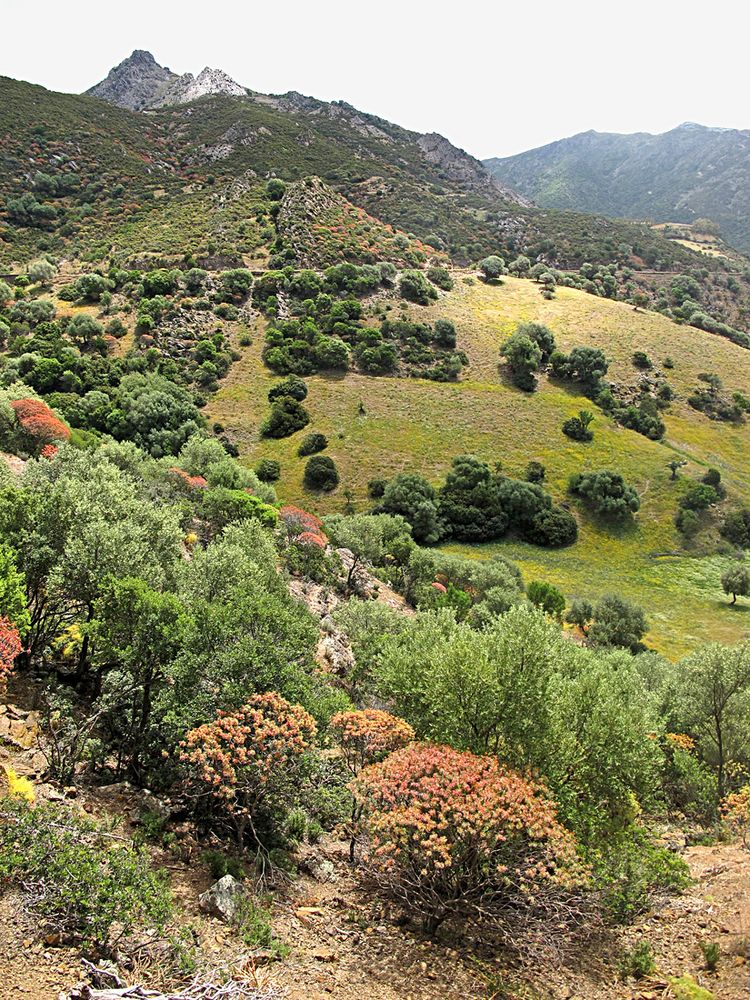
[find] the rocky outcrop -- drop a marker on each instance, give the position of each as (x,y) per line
(188,88)
(463,169)
(139,83)
(136,83)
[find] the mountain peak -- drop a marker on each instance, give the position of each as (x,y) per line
(139,83)
(135,83)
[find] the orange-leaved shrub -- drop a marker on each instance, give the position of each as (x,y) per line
(455,835)
(300,524)
(38,423)
(735,811)
(365,737)
(243,764)
(10,647)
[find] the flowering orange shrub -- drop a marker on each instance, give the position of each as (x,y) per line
(192,482)
(681,741)
(246,760)
(735,810)
(311,538)
(452,834)
(368,735)
(49,451)
(10,647)
(38,422)
(302,526)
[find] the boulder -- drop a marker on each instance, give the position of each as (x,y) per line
(223,899)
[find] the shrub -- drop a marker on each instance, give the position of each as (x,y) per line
(581,614)
(711,954)
(321,473)
(440,277)
(606,492)
(553,528)
(492,267)
(523,356)
(736,528)
(618,622)
(365,737)
(376,488)
(639,962)
(535,472)
(292,386)
(411,496)
(246,761)
(10,647)
(287,416)
(77,881)
(312,443)
(546,597)
(632,871)
(453,835)
(642,360)
(577,428)
(268,470)
(735,811)
(38,424)
(221,864)
(416,288)
(698,496)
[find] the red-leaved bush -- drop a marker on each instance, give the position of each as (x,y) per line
(191,482)
(49,451)
(311,538)
(302,526)
(452,835)
(39,423)
(10,647)
(246,761)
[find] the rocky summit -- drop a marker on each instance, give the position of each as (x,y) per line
(139,83)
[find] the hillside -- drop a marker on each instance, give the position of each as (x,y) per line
(134,182)
(415,425)
(687,173)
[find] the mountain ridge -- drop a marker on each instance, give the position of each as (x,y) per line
(691,171)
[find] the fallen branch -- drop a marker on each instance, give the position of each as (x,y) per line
(203,987)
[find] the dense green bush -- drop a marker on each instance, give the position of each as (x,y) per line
(287,416)
(268,470)
(78,881)
(415,287)
(312,443)
(606,492)
(321,474)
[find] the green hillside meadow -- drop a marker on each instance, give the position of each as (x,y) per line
(421,425)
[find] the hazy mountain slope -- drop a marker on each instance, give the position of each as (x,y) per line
(690,172)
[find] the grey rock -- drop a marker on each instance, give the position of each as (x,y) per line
(136,83)
(223,899)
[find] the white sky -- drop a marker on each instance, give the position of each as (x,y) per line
(495,78)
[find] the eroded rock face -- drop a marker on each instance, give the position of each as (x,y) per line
(136,83)
(464,169)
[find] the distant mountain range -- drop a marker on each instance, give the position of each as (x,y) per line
(688,173)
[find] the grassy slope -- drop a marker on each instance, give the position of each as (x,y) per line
(422,425)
